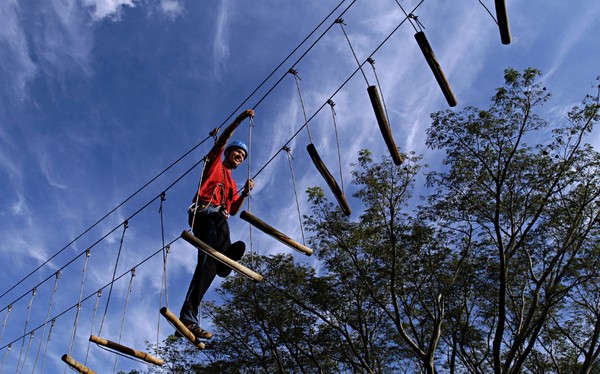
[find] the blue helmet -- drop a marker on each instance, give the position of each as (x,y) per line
(239,145)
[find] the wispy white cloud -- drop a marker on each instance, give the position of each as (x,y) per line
(586,23)
(18,67)
(108,8)
(172,8)
(220,46)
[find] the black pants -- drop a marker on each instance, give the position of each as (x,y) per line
(212,228)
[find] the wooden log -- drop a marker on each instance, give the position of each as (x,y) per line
(333,186)
(435,67)
(188,237)
(181,328)
(264,227)
(76,365)
(384,125)
(126,350)
(502,18)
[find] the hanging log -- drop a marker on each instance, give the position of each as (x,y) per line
(126,350)
(435,67)
(262,226)
(76,365)
(333,186)
(384,124)
(188,237)
(181,328)
(502,18)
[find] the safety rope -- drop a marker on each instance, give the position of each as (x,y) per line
(8,349)
(33,293)
(317,40)
(249,197)
(125,225)
(46,321)
(8,310)
(340,21)
(99,294)
(124,314)
(165,252)
(290,158)
(489,12)
(47,343)
(31,334)
(76,321)
(297,80)
(337,140)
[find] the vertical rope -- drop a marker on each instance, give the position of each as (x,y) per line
(297,80)
(337,140)
(124,314)
(46,321)
(489,12)
(340,21)
(166,252)
(8,348)
(47,343)
(249,197)
(99,294)
(289,154)
(33,293)
(76,321)
(165,249)
(27,350)
(8,310)
(125,225)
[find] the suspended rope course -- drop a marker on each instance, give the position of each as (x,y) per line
(44,330)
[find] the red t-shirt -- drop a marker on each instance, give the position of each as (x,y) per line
(218,186)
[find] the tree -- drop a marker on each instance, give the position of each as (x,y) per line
(530,214)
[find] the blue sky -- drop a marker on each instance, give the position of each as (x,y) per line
(100,96)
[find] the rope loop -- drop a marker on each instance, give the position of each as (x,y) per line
(288,150)
(290,158)
(342,24)
(213,133)
(416,18)
(297,80)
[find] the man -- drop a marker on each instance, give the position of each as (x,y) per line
(216,199)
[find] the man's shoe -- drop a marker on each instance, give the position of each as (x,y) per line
(198,331)
(234,252)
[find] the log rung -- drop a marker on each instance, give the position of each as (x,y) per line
(384,125)
(188,237)
(267,229)
(435,67)
(181,327)
(502,17)
(75,365)
(126,350)
(333,186)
